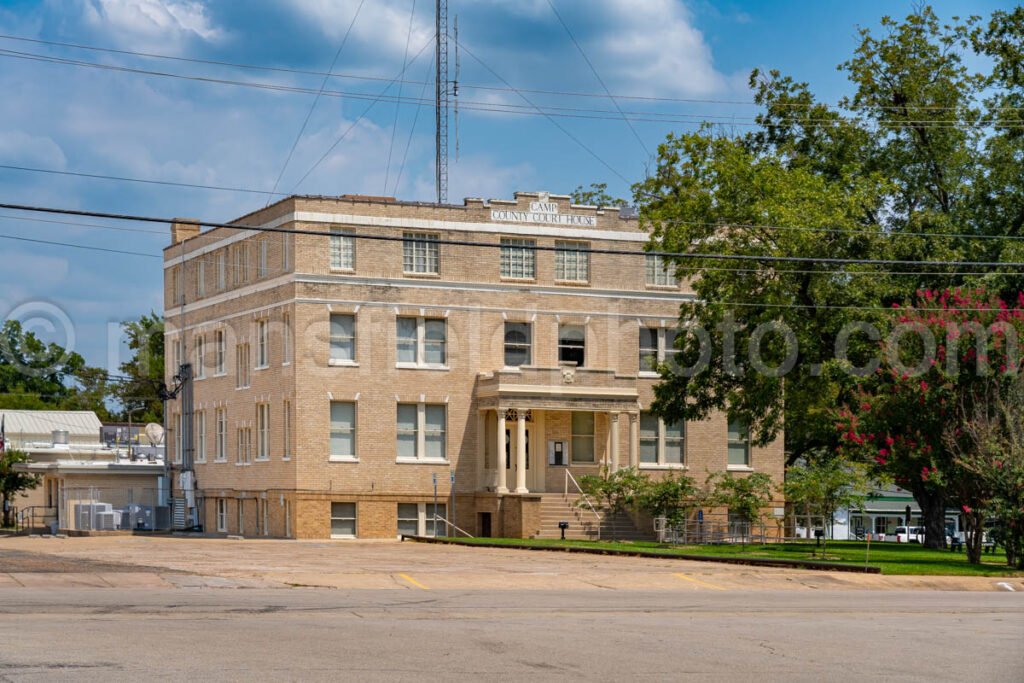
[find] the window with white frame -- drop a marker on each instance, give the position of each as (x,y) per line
(583,437)
(263,431)
(572,261)
(177,285)
(518,344)
(220,453)
(264,516)
(219,353)
(659,272)
(201,436)
(242,366)
(343,520)
(343,339)
(286,430)
(286,253)
(738,443)
(244,454)
(239,264)
(417,519)
(421,253)
(572,343)
(343,430)
(201,278)
(176,356)
(241,516)
(422,342)
(661,443)
(421,432)
(222,515)
(343,249)
(657,346)
(263,343)
(200,350)
(222,270)
(518,258)
(179,438)
(264,258)
(286,339)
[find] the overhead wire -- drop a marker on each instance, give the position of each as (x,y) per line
(320,92)
(398,103)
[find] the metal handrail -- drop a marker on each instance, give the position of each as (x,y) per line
(447,523)
(586,499)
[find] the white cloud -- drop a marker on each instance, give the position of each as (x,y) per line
(382,25)
(23,149)
(652,47)
(143,23)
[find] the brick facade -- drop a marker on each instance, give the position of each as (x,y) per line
(232,284)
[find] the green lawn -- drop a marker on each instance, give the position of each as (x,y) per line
(891,558)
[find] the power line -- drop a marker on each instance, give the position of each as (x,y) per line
(125,179)
(492,245)
(548,111)
(7,216)
(563,93)
(394,126)
(412,130)
(316,99)
(78,246)
(600,80)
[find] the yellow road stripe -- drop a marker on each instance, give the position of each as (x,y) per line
(413,581)
(712,586)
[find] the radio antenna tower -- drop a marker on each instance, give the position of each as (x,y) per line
(441,101)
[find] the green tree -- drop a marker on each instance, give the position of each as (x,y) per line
(13,482)
(144,370)
(615,492)
(672,497)
(597,196)
(822,486)
(746,496)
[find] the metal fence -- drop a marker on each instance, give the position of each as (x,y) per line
(724,528)
(115,509)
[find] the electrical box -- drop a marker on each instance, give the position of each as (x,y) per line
(558,453)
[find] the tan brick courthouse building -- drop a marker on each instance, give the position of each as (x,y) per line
(371,346)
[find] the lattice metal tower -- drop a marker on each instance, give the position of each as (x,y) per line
(441,100)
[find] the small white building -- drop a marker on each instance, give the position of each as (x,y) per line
(85,484)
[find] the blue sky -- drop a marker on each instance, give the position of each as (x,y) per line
(87,120)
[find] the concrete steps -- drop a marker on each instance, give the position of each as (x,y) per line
(556,507)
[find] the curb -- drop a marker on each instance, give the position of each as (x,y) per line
(754,562)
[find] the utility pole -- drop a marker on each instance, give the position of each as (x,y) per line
(441,100)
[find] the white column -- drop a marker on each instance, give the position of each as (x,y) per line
(613,452)
(521,453)
(502,483)
(481,447)
(634,440)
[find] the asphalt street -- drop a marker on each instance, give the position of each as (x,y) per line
(204,634)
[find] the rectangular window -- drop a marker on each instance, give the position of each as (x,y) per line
(434,526)
(659,272)
(264,263)
(343,249)
(222,515)
(661,443)
(242,366)
(422,342)
(244,454)
(518,344)
(421,430)
(420,253)
(572,342)
(263,431)
(222,270)
(179,438)
(177,285)
(221,443)
(176,356)
(583,437)
(343,520)
(408,519)
(262,343)
(343,339)
(572,261)
(236,265)
(286,253)
(518,258)
(200,436)
(241,517)
(264,517)
(343,430)
(657,346)
(200,345)
(739,444)
(219,353)
(286,339)
(201,278)
(286,430)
